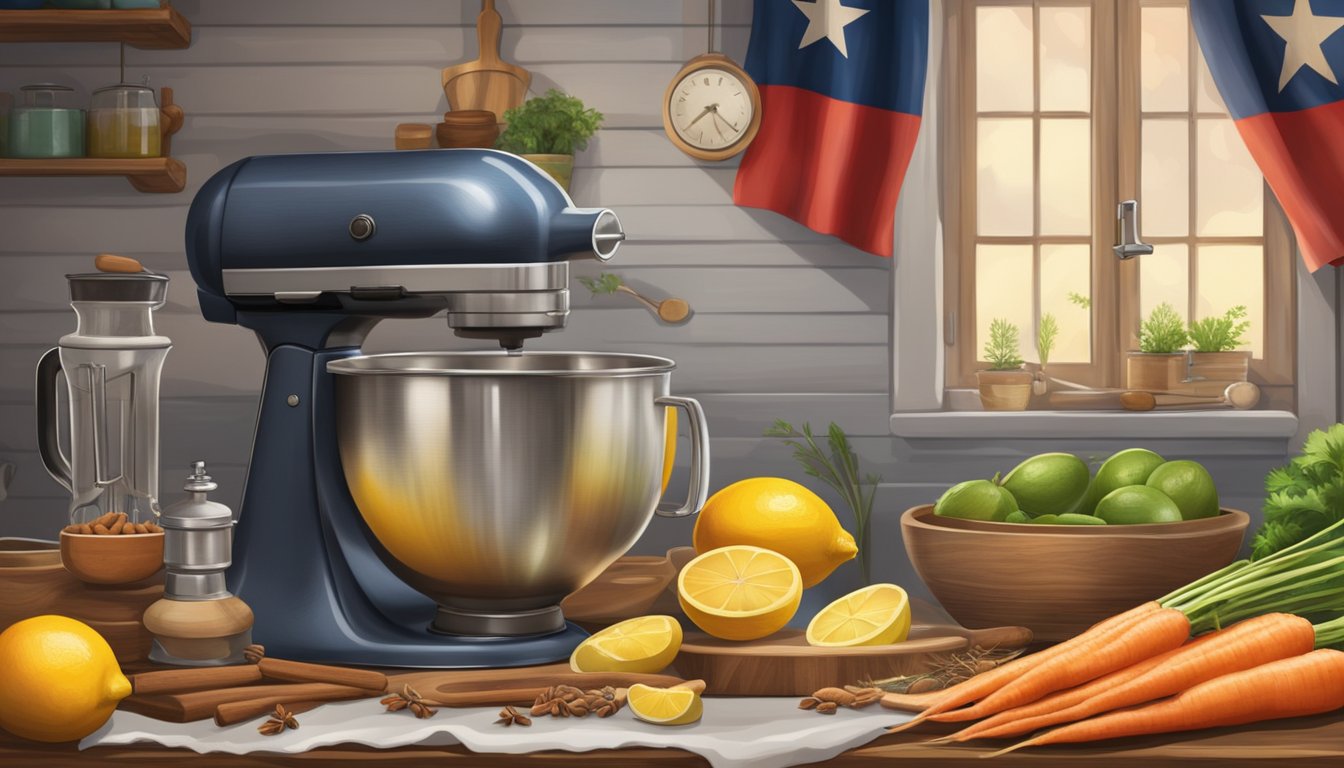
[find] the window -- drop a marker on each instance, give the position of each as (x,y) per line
(1060,109)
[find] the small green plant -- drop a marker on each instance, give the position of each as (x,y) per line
(1220,333)
(604,283)
(1046,333)
(840,470)
(1002,351)
(1083,301)
(554,124)
(1163,332)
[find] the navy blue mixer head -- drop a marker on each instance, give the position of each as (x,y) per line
(483,234)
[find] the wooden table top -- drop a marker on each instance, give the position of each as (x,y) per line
(1315,741)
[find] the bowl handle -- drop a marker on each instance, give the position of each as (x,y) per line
(695,422)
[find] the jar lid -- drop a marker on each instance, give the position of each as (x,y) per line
(118,286)
(125,87)
(192,513)
(46,87)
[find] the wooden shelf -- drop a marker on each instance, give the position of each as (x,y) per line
(150,174)
(149,28)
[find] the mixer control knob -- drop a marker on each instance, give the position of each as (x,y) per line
(362,227)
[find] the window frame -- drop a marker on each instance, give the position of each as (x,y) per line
(1115,121)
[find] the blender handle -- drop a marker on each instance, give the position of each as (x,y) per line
(48,419)
(695,423)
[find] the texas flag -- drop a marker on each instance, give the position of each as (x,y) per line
(842,84)
(1277,64)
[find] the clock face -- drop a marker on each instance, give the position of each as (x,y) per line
(710,109)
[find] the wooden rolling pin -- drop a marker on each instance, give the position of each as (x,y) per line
(186,707)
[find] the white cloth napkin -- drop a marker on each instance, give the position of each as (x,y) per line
(734,732)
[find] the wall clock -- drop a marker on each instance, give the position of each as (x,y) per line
(712,108)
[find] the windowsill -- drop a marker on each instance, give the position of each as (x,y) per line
(1094,424)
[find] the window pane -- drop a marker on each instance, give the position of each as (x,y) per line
(1230,191)
(1164,60)
(1065,270)
(1004,199)
(1003,71)
(1066,177)
(1207,98)
(1066,59)
(1164,178)
(1229,275)
(1003,289)
(1164,276)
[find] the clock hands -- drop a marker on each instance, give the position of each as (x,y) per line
(725,120)
(711,108)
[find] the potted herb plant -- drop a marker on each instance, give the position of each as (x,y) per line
(1046,333)
(1005,385)
(1215,361)
(1160,362)
(548,130)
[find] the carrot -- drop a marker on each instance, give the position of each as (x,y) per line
(990,728)
(1302,685)
(1244,645)
(1154,633)
(987,683)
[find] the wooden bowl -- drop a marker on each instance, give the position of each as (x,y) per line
(467,128)
(119,559)
(632,586)
(1058,580)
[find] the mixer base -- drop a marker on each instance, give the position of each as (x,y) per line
(459,622)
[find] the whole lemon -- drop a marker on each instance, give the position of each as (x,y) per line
(779,515)
(60,680)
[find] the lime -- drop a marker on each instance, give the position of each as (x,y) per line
(1137,504)
(1017,516)
(1045,519)
(1073,518)
(1189,485)
(1049,484)
(1128,467)
(975,500)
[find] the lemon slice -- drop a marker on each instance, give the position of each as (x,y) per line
(678,705)
(740,592)
(644,644)
(875,615)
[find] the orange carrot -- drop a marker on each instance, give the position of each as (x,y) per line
(1153,634)
(987,683)
(1302,685)
(1244,645)
(990,728)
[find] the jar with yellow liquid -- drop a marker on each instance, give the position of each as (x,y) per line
(124,122)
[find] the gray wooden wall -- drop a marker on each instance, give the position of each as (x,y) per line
(788,323)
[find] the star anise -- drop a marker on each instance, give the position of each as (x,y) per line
(569,701)
(280,719)
(410,699)
(510,716)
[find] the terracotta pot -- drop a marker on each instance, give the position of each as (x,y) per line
(560,167)
(1004,390)
(1155,372)
(468,128)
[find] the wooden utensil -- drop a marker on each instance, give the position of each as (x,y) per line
(199,705)
(1239,395)
(673,311)
(785,665)
(488,82)
(110,262)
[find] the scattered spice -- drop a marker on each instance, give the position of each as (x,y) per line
(510,716)
(947,671)
(828,700)
(113,524)
(280,719)
(569,701)
(254,653)
(410,699)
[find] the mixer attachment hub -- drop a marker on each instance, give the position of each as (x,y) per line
(456,621)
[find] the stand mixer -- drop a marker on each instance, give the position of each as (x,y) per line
(310,252)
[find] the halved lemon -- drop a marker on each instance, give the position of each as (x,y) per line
(644,644)
(875,615)
(665,706)
(740,592)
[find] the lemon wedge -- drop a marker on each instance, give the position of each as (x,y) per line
(875,615)
(740,592)
(645,644)
(677,705)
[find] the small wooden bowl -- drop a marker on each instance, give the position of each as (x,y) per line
(1058,580)
(95,559)
(468,128)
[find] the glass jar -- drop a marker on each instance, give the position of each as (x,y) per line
(124,122)
(45,123)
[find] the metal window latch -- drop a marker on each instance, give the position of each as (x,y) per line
(1127,244)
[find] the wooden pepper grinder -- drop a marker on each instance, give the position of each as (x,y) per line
(198,623)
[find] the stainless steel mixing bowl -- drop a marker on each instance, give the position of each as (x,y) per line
(498,483)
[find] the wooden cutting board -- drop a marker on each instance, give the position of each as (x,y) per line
(783,664)
(489,82)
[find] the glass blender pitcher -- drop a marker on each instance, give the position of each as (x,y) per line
(111,366)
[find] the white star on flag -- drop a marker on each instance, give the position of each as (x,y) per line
(1304,33)
(827,19)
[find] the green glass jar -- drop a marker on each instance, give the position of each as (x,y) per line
(45,124)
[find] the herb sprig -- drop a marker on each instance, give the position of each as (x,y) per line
(1304,497)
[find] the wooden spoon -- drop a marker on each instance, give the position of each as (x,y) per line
(672,311)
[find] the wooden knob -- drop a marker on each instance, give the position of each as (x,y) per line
(110,262)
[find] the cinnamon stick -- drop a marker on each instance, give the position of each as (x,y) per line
(241,711)
(303,672)
(186,707)
(199,679)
